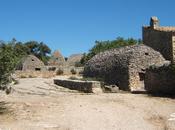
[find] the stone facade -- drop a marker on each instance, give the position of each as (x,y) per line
(31,63)
(160,80)
(124,67)
(160,38)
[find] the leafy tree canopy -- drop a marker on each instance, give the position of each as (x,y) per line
(101,46)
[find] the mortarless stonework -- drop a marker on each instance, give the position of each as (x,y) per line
(73,59)
(160,38)
(83,86)
(31,63)
(56,59)
(124,67)
(160,80)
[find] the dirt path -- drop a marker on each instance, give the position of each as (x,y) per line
(38,104)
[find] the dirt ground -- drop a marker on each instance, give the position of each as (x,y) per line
(38,104)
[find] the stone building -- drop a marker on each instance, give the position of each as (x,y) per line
(56,59)
(31,63)
(160,38)
(124,67)
(73,59)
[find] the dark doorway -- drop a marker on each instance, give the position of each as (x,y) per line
(142,79)
(142,76)
(37,69)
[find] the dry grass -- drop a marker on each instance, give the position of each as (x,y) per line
(34,74)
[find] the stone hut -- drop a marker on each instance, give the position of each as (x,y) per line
(56,59)
(73,59)
(160,38)
(124,67)
(31,63)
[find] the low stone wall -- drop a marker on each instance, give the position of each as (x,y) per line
(84,86)
(160,80)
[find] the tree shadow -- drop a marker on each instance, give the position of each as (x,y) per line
(3,108)
(162,95)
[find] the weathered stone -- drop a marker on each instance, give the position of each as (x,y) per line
(124,67)
(73,59)
(31,63)
(111,88)
(84,86)
(56,59)
(160,38)
(160,80)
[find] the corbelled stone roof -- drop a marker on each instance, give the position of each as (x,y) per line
(74,58)
(56,59)
(30,62)
(115,63)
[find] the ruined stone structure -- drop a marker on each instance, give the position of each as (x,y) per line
(160,38)
(73,59)
(160,79)
(31,63)
(56,59)
(124,67)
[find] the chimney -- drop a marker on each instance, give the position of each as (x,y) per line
(154,22)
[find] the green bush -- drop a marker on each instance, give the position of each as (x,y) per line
(73,71)
(59,72)
(8,61)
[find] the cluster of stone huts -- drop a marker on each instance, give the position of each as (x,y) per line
(56,62)
(146,66)
(138,67)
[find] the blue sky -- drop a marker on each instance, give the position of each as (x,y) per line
(72,26)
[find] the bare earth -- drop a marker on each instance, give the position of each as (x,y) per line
(38,104)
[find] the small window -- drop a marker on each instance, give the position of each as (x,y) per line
(142,76)
(146,53)
(37,69)
(33,60)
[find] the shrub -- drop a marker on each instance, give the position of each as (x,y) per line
(73,71)
(32,76)
(81,72)
(23,76)
(78,64)
(59,72)
(51,68)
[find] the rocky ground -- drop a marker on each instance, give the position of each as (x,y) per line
(38,104)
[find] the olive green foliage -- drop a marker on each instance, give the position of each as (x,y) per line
(9,57)
(59,72)
(101,46)
(40,50)
(12,52)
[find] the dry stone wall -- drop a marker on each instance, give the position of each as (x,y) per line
(160,79)
(84,86)
(159,40)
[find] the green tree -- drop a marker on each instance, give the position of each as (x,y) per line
(43,51)
(8,62)
(101,46)
(40,50)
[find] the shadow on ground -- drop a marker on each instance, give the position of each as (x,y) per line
(3,108)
